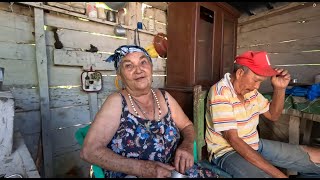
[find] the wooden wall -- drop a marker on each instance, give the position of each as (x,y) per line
(291,37)
(70,107)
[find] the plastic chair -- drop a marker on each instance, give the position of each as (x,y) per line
(97,171)
(80,134)
(199,109)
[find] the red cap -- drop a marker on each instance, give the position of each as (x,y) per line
(256,61)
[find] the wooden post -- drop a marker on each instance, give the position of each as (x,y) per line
(42,71)
(294,135)
(93,104)
(294,132)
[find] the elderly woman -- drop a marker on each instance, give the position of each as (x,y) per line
(137,131)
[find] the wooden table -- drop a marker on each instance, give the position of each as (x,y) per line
(300,121)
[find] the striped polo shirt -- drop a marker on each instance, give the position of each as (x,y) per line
(225,111)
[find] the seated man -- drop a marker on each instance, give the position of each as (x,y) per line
(233,108)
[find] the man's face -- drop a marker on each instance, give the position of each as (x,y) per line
(248,81)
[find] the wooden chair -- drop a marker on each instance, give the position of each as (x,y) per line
(199,110)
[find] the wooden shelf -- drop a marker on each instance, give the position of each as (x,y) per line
(63,11)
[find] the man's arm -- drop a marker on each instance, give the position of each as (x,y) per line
(250,154)
(279,82)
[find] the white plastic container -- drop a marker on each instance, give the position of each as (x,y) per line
(91,10)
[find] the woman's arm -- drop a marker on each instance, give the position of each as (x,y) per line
(100,134)
(184,155)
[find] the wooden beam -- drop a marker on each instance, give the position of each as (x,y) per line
(93,104)
(159,5)
(277,11)
(50,8)
(69,8)
(42,71)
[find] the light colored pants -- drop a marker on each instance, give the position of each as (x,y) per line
(284,155)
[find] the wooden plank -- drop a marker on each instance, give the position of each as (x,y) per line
(50,38)
(66,7)
(81,58)
(293,46)
(299,72)
(160,16)
(65,117)
(27,122)
(19,72)
(294,58)
(149,12)
(70,165)
(16,8)
(62,76)
(281,32)
(146,39)
(294,123)
(307,132)
(160,28)
(10,50)
(93,104)
(8,34)
(16,21)
(76,24)
(198,110)
(158,81)
(82,40)
(25,99)
(42,73)
(42,6)
(69,142)
(97,60)
(67,96)
(131,16)
(159,5)
(32,141)
(275,12)
(159,64)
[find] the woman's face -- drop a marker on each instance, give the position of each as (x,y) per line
(136,71)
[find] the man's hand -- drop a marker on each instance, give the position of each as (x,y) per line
(281,80)
(183,158)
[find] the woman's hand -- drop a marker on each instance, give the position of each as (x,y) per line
(153,169)
(183,158)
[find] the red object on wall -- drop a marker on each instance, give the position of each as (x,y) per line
(160,44)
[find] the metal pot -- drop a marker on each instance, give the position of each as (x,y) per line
(115,5)
(120,31)
(111,16)
(176,174)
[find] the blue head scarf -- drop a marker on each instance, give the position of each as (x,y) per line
(122,51)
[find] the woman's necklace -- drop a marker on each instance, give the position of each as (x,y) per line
(155,99)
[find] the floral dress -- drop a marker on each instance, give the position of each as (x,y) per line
(148,140)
